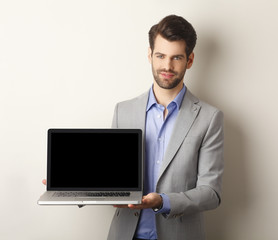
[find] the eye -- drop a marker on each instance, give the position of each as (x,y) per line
(160,56)
(177,58)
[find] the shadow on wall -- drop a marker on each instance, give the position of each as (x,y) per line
(208,84)
(235,191)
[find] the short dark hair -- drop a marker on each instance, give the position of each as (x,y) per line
(174,28)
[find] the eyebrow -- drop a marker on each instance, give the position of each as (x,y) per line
(178,55)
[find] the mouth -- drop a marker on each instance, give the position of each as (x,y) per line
(167,75)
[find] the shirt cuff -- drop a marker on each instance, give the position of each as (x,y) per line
(166,208)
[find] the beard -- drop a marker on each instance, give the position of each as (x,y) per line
(168,83)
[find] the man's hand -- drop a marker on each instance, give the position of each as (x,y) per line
(152,200)
(44,181)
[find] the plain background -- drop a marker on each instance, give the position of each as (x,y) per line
(66,63)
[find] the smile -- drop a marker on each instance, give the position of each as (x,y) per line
(167,75)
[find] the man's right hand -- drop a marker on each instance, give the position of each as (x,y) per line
(44,181)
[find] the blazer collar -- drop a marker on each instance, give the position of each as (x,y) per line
(187,115)
(178,99)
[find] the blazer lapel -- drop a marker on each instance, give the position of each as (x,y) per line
(187,115)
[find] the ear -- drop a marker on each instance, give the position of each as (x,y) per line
(190,60)
(150,54)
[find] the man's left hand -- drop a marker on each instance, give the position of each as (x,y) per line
(152,200)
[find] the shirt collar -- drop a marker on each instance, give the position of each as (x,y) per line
(178,99)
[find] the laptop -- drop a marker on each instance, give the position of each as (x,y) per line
(93,167)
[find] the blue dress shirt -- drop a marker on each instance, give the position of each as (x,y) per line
(158,133)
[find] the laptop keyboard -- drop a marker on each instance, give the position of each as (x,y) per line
(91,194)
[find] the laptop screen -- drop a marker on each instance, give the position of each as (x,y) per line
(94,159)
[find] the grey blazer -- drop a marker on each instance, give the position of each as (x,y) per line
(191,172)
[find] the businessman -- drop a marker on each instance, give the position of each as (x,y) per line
(183,148)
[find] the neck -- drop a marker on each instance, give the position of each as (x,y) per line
(165,96)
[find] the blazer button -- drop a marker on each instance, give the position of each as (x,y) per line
(136,214)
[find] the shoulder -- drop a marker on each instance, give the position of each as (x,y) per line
(130,113)
(133,104)
(134,101)
(207,114)
(208,119)
(205,108)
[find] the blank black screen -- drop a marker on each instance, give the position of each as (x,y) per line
(94,160)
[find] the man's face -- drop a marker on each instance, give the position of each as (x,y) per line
(169,62)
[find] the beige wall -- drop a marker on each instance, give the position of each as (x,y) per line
(66,64)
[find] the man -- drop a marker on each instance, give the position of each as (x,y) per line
(183,145)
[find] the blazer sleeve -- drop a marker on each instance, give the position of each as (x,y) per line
(206,194)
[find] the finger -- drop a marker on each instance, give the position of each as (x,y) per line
(139,206)
(136,206)
(121,206)
(44,181)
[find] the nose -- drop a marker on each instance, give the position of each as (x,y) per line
(168,65)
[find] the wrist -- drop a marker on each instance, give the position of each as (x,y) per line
(160,205)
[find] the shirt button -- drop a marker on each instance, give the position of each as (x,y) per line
(157,162)
(158,116)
